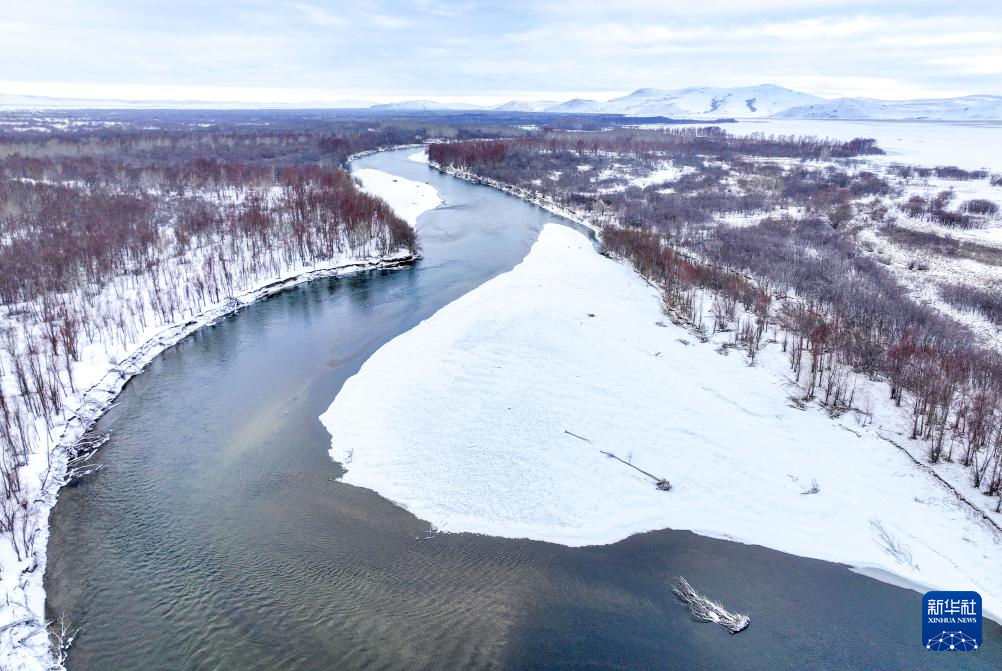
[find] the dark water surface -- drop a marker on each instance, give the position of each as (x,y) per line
(218,536)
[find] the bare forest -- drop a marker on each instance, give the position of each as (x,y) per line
(757,236)
(113,229)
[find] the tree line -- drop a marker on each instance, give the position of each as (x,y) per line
(104,236)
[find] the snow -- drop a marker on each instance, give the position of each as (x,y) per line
(506,371)
(764,100)
(767,100)
(664,173)
(694,102)
(926,143)
(104,369)
(419,157)
(964,108)
(103,376)
(576,106)
(408,198)
(427,105)
(712,102)
(624,176)
(525,105)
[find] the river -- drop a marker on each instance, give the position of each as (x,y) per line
(219,535)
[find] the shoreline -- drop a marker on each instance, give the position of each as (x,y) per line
(100,397)
(25,643)
(555,509)
(553,207)
(541,201)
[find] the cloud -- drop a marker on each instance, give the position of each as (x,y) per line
(389,21)
(320,16)
(428,48)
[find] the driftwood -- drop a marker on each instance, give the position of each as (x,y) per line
(813,489)
(703,609)
(660,483)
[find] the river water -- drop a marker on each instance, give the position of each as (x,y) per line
(219,536)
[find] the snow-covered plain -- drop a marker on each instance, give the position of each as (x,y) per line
(969,145)
(527,379)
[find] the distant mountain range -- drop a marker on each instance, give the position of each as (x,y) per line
(770,101)
(703,102)
(967,108)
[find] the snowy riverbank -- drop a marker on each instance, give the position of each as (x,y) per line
(538,198)
(527,379)
(104,371)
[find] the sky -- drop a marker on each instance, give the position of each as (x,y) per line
(283,51)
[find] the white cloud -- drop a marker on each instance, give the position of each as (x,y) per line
(320,16)
(431,48)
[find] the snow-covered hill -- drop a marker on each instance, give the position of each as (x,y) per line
(705,102)
(768,100)
(525,105)
(966,108)
(424,105)
(576,106)
(710,102)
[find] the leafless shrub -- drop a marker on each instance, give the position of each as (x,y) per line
(891,545)
(980,206)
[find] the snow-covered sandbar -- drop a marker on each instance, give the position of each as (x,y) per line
(408,198)
(467,421)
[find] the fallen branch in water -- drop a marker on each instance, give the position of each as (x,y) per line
(77,467)
(432,531)
(61,637)
(660,483)
(705,610)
